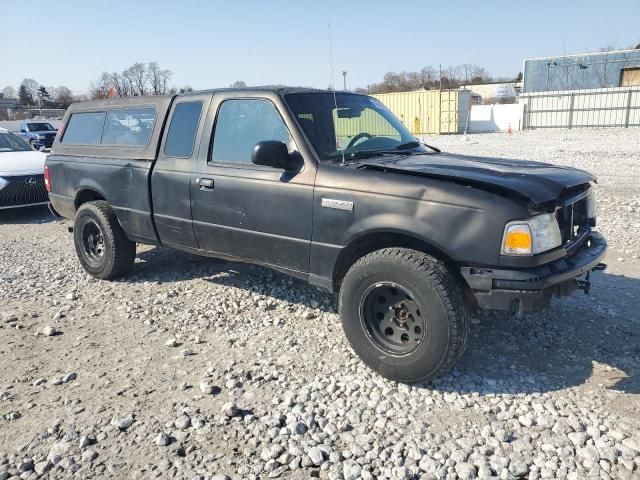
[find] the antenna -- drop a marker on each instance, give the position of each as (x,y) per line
(333,87)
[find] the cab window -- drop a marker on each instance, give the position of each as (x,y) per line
(241,124)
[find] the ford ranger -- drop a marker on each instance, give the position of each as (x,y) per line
(331,188)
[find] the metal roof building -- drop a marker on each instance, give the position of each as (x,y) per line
(591,70)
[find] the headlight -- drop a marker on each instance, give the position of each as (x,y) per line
(592,210)
(41,137)
(529,237)
(3,183)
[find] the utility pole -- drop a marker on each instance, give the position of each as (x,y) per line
(440,66)
(344,79)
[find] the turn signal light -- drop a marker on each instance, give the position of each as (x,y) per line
(517,240)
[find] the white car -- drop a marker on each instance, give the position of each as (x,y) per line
(21,173)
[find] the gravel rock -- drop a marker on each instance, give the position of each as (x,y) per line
(207,387)
(465,471)
(316,456)
(50,331)
(89,455)
(162,439)
(122,423)
(229,410)
(42,467)
(183,422)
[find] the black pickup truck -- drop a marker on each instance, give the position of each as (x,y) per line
(333,189)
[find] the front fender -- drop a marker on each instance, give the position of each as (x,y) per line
(447,230)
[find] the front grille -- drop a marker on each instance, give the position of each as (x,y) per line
(573,221)
(23,190)
(48,139)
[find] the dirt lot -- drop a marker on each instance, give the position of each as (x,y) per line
(199,368)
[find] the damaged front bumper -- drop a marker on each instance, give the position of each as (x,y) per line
(531,289)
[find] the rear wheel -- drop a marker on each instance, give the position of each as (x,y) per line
(404,314)
(101,245)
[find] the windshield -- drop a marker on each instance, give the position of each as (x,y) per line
(40,127)
(11,143)
(360,125)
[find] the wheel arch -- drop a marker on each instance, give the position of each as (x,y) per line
(87,194)
(376,240)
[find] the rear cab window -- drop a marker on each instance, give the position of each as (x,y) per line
(84,128)
(130,127)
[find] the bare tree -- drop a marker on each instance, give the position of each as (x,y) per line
(158,79)
(137,75)
(63,96)
(164,81)
(102,87)
(120,84)
(139,79)
(429,78)
(9,92)
(238,84)
(28,92)
(428,75)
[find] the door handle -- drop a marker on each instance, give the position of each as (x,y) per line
(205,183)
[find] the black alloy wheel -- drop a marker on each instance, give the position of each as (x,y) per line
(392,319)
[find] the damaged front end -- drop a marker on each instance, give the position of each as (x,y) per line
(559,272)
(531,289)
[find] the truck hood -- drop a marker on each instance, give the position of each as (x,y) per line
(538,182)
(21,163)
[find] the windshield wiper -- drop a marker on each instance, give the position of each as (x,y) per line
(414,144)
(407,145)
(375,153)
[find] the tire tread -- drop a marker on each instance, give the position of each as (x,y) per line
(121,257)
(447,285)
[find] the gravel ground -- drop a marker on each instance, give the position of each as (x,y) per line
(198,368)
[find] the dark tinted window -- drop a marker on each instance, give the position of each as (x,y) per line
(84,129)
(183,128)
(243,123)
(129,126)
(40,127)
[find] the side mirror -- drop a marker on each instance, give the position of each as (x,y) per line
(271,153)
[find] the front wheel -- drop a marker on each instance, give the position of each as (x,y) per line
(404,314)
(101,245)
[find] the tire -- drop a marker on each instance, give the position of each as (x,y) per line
(404,314)
(102,247)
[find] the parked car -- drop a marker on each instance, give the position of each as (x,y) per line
(333,189)
(38,134)
(21,173)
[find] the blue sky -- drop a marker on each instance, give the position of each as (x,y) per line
(213,43)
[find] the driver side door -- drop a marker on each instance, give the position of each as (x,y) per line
(245,211)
